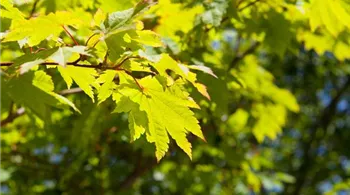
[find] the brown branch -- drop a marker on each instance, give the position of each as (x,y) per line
(20,111)
(138,171)
(248,5)
(239,57)
(6,63)
(70,35)
(32,12)
(75,63)
(12,116)
(70,91)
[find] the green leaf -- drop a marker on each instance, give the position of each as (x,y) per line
(215,12)
(27,61)
(30,95)
(277,39)
(63,54)
(113,5)
(147,37)
(117,45)
(238,120)
(204,69)
(166,113)
(108,85)
(270,119)
(167,63)
(83,77)
(9,11)
(52,24)
(45,83)
(117,20)
(333,15)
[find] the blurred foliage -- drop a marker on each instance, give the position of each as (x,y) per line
(271,79)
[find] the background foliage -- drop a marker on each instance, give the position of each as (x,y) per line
(264,84)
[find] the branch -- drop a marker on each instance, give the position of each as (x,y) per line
(76,63)
(138,171)
(239,57)
(324,121)
(70,91)
(32,12)
(248,5)
(21,111)
(70,35)
(12,116)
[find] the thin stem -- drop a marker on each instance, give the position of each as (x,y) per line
(239,57)
(70,35)
(6,63)
(32,12)
(96,43)
(40,49)
(70,91)
(75,63)
(12,116)
(137,83)
(124,60)
(248,5)
(87,41)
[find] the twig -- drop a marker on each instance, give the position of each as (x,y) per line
(87,41)
(248,5)
(98,66)
(239,57)
(32,12)
(70,35)
(124,60)
(137,83)
(70,91)
(12,116)
(138,171)
(6,63)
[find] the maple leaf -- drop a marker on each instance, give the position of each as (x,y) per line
(167,113)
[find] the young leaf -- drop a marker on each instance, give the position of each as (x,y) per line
(83,77)
(36,92)
(217,9)
(52,23)
(118,44)
(147,37)
(333,15)
(204,69)
(167,63)
(29,96)
(63,54)
(45,83)
(108,85)
(119,19)
(9,11)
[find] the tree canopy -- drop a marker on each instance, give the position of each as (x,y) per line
(175,97)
